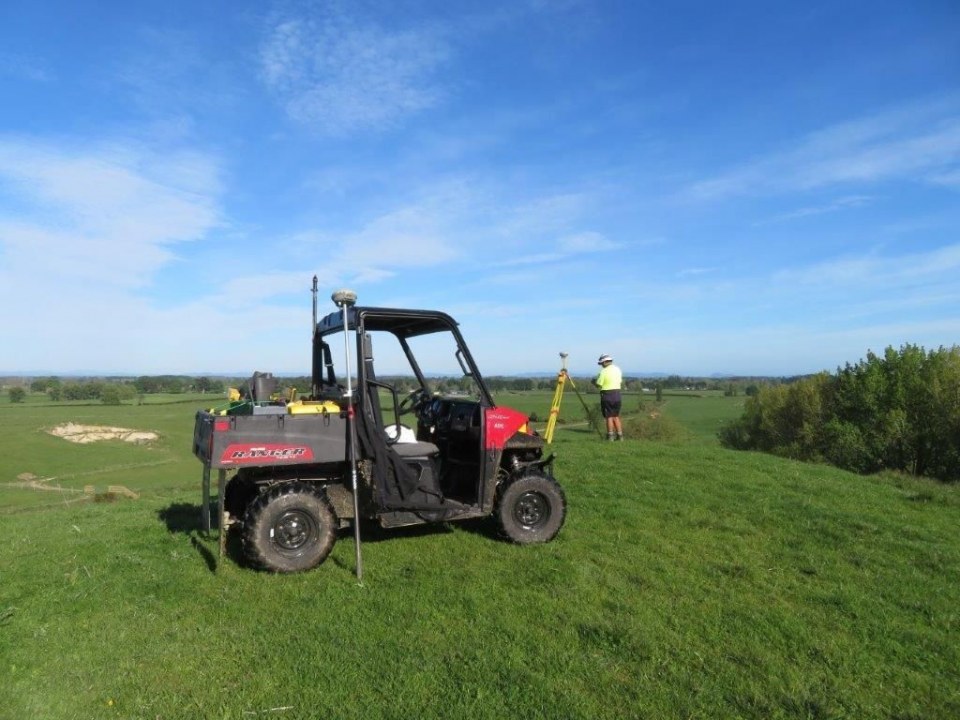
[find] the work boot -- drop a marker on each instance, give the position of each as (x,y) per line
(620,437)
(611,437)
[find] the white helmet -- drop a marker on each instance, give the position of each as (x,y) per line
(604,359)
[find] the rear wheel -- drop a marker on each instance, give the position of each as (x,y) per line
(531,509)
(289,528)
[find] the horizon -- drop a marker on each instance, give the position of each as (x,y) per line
(536,375)
(770,190)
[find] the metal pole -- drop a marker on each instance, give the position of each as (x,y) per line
(313,328)
(205,510)
(591,414)
(221,513)
(315,372)
(345,299)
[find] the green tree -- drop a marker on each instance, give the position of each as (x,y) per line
(899,410)
(17,394)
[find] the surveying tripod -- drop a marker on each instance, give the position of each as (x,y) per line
(563,377)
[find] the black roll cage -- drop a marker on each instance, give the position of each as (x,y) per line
(403,324)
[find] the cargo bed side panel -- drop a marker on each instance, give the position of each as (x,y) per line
(264,440)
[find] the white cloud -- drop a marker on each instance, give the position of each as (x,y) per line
(883,273)
(122,195)
(918,143)
(585,242)
(951,178)
(337,75)
(75,257)
(406,239)
(844,203)
(82,230)
(695,271)
(563,248)
(543,215)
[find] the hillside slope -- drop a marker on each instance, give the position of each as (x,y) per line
(689,581)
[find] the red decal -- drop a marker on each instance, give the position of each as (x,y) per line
(501,424)
(221,425)
(241,453)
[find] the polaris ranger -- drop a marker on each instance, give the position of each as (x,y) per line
(299,470)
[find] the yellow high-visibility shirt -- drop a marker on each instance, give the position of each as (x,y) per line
(610,378)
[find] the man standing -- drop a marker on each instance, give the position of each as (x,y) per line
(609,381)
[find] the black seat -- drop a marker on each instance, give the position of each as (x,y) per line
(415,449)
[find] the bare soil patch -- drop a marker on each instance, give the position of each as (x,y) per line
(29,481)
(94,433)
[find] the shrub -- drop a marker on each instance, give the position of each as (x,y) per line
(653,427)
(900,411)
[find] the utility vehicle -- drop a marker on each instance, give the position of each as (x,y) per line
(292,472)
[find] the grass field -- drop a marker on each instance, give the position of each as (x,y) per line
(689,582)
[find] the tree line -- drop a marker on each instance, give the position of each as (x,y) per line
(117,389)
(896,411)
(113,391)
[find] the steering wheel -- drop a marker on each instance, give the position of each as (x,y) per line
(411,402)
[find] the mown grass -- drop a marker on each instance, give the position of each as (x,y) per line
(27,448)
(689,581)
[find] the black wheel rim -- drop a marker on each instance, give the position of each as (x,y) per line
(531,510)
(293,530)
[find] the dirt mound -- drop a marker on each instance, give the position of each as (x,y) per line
(93,433)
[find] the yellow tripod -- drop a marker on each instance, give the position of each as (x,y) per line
(563,377)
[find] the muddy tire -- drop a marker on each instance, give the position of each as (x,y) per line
(289,528)
(531,509)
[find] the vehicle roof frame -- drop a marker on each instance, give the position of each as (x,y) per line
(404,324)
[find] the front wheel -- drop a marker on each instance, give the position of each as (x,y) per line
(531,509)
(289,528)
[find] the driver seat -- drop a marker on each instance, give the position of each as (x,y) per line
(421,457)
(415,449)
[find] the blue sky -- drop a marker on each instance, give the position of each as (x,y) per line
(693,187)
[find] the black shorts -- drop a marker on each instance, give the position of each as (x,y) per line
(610,403)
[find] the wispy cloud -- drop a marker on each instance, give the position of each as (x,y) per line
(338,74)
(951,178)
(23,67)
(106,215)
(885,273)
(563,248)
(696,271)
(844,203)
(418,235)
(171,74)
(542,214)
(918,143)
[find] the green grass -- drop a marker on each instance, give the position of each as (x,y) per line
(701,416)
(689,581)
(27,448)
